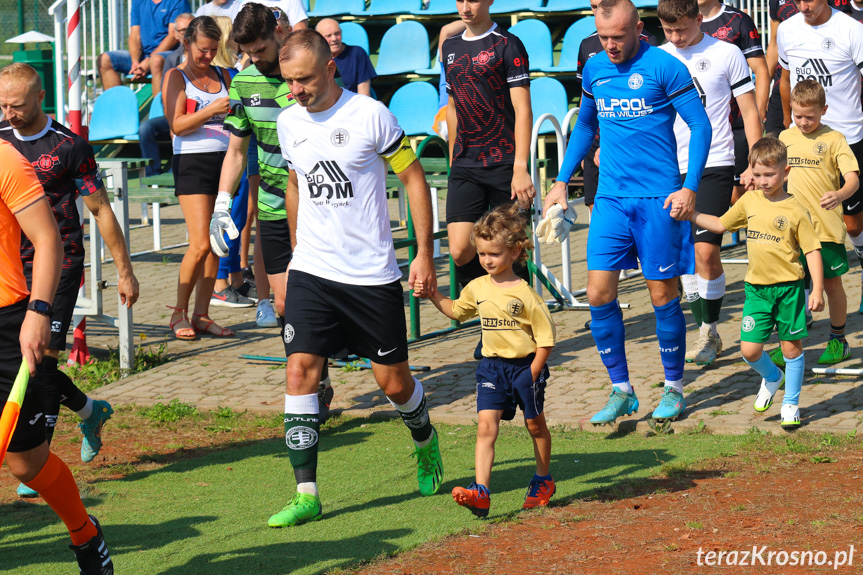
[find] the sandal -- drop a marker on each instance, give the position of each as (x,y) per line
(222,331)
(183,328)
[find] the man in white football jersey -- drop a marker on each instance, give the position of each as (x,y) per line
(344,282)
(719,72)
(823,44)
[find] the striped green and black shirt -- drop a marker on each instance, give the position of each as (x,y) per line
(256,102)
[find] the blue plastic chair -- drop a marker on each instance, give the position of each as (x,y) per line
(433,71)
(115,114)
(564,6)
(580,30)
(537,41)
(415,105)
(507,6)
(156,108)
(404,48)
(355,35)
(384,7)
(436,7)
(306,5)
(645,3)
(336,7)
(548,96)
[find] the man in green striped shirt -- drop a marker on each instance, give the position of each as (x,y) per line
(258,94)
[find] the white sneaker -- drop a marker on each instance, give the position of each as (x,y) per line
(764,399)
(266,316)
(789,417)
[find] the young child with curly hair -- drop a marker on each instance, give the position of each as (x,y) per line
(517,337)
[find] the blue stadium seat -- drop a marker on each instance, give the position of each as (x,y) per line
(404,48)
(548,96)
(306,5)
(645,3)
(415,105)
(156,107)
(434,70)
(115,114)
(507,6)
(436,7)
(355,35)
(580,30)
(564,6)
(384,7)
(336,7)
(537,41)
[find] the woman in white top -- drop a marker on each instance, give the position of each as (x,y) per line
(196,102)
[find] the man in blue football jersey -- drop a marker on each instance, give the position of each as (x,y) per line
(634,92)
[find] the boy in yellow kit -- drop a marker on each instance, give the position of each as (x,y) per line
(818,157)
(778,228)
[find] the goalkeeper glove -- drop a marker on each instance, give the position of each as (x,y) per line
(556,225)
(221,222)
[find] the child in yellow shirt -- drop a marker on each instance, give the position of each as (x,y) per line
(778,227)
(517,337)
(819,156)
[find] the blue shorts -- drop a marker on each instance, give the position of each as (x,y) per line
(252,168)
(121,61)
(504,384)
(625,230)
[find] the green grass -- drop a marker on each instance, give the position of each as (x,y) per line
(102,372)
(207,514)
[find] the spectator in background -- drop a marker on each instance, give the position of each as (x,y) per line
(196,102)
(153,130)
(218,8)
(353,63)
(151,33)
(161,63)
(291,11)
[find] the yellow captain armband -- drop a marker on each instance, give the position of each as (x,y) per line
(400,156)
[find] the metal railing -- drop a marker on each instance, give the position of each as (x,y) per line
(116,182)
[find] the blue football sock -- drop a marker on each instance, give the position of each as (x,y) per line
(765,367)
(793,379)
(671,333)
(606,325)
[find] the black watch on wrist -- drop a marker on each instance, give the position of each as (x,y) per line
(40,307)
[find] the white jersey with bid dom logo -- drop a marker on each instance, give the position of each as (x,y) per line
(719,71)
(832,55)
(343,223)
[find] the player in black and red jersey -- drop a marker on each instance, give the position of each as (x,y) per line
(780,11)
(588,48)
(489,121)
(729,24)
(66,167)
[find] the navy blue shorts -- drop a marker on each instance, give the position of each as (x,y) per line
(504,384)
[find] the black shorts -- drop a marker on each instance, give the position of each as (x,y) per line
(591,176)
(474,191)
(713,198)
(324,317)
(197,173)
(741,154)
(775,116)
(854,205)
(64,303)
(30,431)
(275,245)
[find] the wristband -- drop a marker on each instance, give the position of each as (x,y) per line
(223,202)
